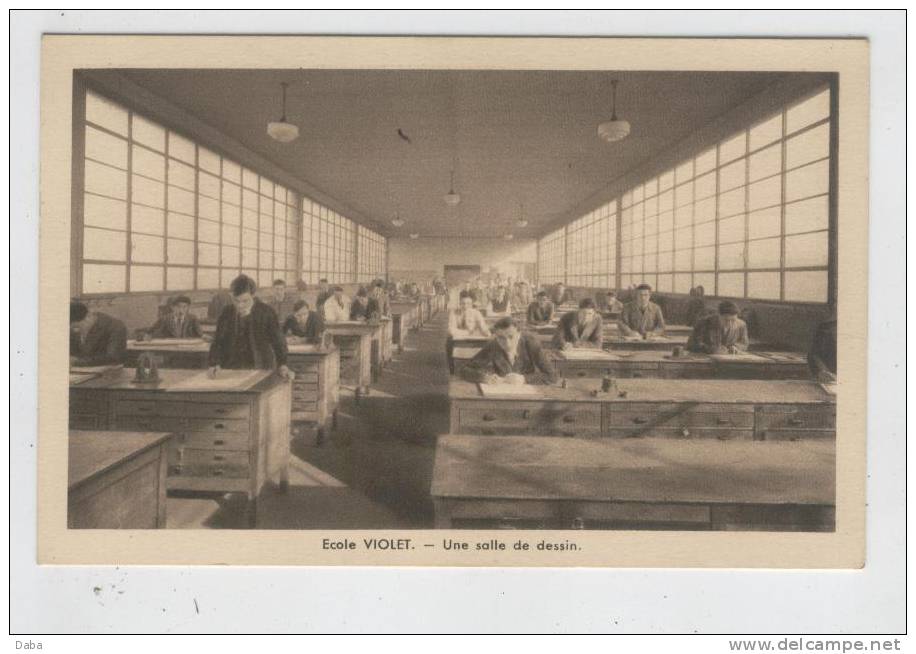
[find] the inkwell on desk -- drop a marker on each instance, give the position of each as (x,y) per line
(147,369)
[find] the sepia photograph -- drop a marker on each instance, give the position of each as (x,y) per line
(552,301)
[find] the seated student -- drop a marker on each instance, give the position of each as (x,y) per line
(822,353)
(641,316)
(337,307)
(364,307)
(561,294)
(219,301)
(248,335)
(500,302)
(380,296)
(463,322)
(611,303)
(540,312)
(324,292)
(696,307)
(478,295)
(724,333)
(512,358)
(304,325)
(580,328)
(277,297)
(180,323)
(96,339)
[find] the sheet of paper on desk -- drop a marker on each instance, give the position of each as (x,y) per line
(225,380)
(166,342)
(743,357)
(79,378)
(632,338)
(509,390)
(588,355)
(95,370)
(829,388)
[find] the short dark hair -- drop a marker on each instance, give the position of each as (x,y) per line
(560,284)
(180,299)
(700,291)
(338,288)
(362,292)
(586,303)
(464,294)
(542,294)
(78,311)
(243,284)
(728,308)
(300,304)
(614,293)
(279,282)
(505,323)
(323,280)
(378,283)
(644,287)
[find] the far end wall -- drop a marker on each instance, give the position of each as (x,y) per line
(420,258)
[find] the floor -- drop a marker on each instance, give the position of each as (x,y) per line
(375,469)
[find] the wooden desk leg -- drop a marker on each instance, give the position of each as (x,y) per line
(252,512)
(284,479)
(160,492)
(320,436)
(334,419)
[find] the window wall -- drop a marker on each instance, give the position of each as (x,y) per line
(328,245)
(161,212)
(371,249)
(745,218)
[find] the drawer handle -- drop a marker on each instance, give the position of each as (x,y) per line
(526,414)
(569,434)
(569,418)
(640,420)
(721,421)
(486,432)
(219,441)
(796,422)
(219,425)
(175,469)
(637,375)
(581,373)
(488,417)
(218,457)
(685,432)
(218,472)
(221,411)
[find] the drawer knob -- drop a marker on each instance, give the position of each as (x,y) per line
(569,418)
(176,469)
(217,472)
(219,441)
(581,373)
(578,523)
(486,432)
(218,457)
(639,420)
(569,434)
(221,411)
(489,417)
(219,425)
(685,432)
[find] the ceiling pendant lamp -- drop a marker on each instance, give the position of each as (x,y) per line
(451,198)
(522,221)
(281,130)
(398,221)
(415,236)
(614,129)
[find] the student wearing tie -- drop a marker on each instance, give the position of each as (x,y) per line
(248,334)
(304,325)
(337,307)
(724,333)
(500,303)
(511,358)
(611,303)
(540,312)
(380,296)
(641,316)
(464,322)
(580,328)
(96,339)
(180,323)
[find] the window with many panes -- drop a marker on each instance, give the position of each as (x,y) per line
(328,245)
(591,248)
(371,251)
(552,257)
(747,218)
(161,212)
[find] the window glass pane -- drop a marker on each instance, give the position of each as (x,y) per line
(807,215)
(181,200)
(705,186)
(732,202)
(208,185)
(100,278)
(665,283)
(704,258)
(682,283)
(147,191)
(105,180)
(181,226)
(806,250)
(766,193)
(147,220)
(763,285)
(181,175)
(207,208)
(180,251)
(763,253)
(733,148)
(208,160)
(231,256)
(106,113)
(104,245)
(705,234)
(179,279)
(227,275)
(683,172)
(148,133)
(808,111)
(731,256)
(232,171)
(766,163)
(731,230)
(766,132)
(183,149)
(706,161)
(207,278)
(208,231)
(146,278)
(764,223)
(666,180)
(806,181)
(232,194)
(249,179)
(232,215)
(808,146)
(730,285)
(104,212)
(207,254)
(806,286)
(106,148)
(732,175)
(146,249)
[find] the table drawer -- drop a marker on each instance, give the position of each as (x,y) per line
(799,416)
(183,409)
(210,441)
(722,434)
(87,403)
(85,421)
(679,416)
(570,420)
(303,367)
(796,434)
(189,462)
(178,424)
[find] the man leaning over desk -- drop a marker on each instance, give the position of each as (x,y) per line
(580,328)
(641,317)
(248,334)
(510,358)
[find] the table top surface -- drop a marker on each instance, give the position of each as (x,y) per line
(193,381)
(699,391)
(631,470)
(93,452)
(352,327)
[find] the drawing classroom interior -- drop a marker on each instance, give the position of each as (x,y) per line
(412,299)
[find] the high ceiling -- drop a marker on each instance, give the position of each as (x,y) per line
(512,137)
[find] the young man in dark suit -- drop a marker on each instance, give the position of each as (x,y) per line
(641,316)
(580,328)
(96,339)
(364,307)
(722,333)
(540,312)
(510,358)
(304,325)
(248,334)
(180,323)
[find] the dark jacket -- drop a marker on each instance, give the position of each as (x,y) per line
(267,342)
(710,337)
(696,309)
(105,343)
(368,312)
(167,327)
(557,298)
(530,361)
(322,297)
(313,330)
(537,315)
(219,301)
(568,331)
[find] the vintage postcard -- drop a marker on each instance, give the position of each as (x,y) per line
(453,301)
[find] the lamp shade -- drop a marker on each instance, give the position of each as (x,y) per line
(415,235)
(398,222)
(451,198)
(613,130)
(282,131)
